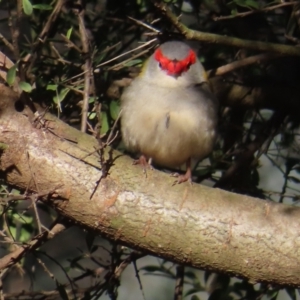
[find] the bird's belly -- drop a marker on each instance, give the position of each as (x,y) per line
(169,137)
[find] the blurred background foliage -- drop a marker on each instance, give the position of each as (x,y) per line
(257,152)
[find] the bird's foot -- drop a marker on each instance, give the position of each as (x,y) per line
(144,163)
(183,177)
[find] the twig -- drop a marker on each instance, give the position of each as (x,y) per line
(247,13)
(108,49)
(87,68)
(12,258)
(125,53)
(70,44)
(1,290)
(109,139)
(34,198)
(241,63)
(145,25)
(43,35)
(179,282)
(246,157)
(46,270)
(133,256)
(138,278)
(121,64)
(106,163)
(80,293)
(36,213)
(14,29)
(32,173)
(190,34)
(72,284)
(6,43)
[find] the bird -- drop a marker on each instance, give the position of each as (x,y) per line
(168,113)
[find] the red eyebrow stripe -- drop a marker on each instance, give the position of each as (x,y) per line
(174,66)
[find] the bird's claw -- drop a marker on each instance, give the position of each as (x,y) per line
(144,163)
(182,178)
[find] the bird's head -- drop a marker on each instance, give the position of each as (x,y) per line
(174,63)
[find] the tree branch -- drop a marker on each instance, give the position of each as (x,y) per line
(191,225)
(190,34)
(15,256)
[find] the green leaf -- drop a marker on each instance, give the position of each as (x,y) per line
(247,3)
(25,231)
(104,123)
(69,32)
(15,192)
(234,11)
(92,115)
(11,75)
(114,109)
(61,96)
(91,100)
(42,6)
(292,293)
(25,86)
(25,235)
(51,87)
(271,295)
(252,4)
(27,7)
(133,62)
(24,219)
(13,231)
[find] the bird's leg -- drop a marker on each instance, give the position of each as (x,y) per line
(143,162)
(150,163)
(187,176)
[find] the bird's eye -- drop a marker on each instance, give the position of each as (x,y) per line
(159,64)
(188,66)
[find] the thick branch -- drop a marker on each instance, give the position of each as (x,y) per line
(194,225)
(190,34)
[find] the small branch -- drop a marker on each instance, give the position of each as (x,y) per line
(43,35)
(251,12)
(49,24)
(36,213)
(179,282)
(70,44)
(12,258)
(133,256)
(241,63)
(87,68)
(14,30)
(145,25)
(121,64)
(244,159)
(190,34)
(126,53)
(7,43)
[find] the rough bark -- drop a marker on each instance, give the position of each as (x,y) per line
(194,225)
